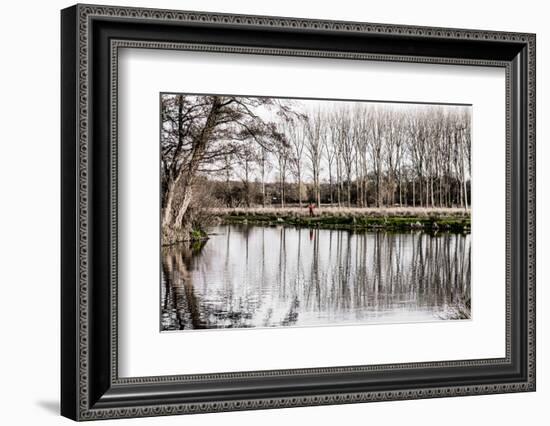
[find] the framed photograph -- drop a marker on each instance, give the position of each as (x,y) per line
(263,212)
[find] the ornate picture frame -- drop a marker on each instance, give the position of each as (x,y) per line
(91,37)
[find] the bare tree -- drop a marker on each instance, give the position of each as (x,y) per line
(316,134)
(331,152)
(264,168)
(334,150)
(347,149)
(282,153)
(417,151)
(464,153)
(376,146)
(360,136)
(196,132)
(297,140)
(249,157)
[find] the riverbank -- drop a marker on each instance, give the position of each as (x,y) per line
(389,219)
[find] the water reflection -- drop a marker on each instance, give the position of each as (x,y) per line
(246,276)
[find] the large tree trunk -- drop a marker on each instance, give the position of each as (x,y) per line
(168,202)
(175,228)
(186,200)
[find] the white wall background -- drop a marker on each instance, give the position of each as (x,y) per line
(29,211)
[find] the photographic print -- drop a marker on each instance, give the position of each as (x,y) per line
(281,212)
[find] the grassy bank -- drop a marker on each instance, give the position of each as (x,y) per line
(391,219)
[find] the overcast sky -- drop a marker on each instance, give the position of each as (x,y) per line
(310,106)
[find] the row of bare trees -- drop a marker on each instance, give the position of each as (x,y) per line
(368,154)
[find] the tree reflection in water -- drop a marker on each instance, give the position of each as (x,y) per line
(246,276)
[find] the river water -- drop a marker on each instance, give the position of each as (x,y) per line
(253,276)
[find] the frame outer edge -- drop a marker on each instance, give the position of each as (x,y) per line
(69,220)
(83,13)
(531,200)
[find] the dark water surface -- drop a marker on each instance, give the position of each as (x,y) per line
(253,276)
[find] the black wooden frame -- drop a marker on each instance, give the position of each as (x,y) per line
(90,387)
